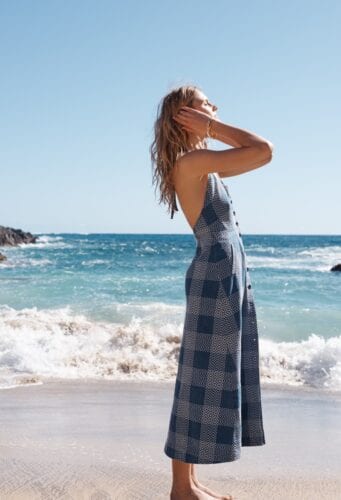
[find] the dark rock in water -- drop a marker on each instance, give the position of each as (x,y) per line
(2,257)
(12,237)
(337,267)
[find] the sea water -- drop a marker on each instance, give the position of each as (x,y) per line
(111,306)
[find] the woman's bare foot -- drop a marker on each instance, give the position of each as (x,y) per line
(193,494)
(207,490)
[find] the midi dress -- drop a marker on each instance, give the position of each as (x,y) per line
(217,398)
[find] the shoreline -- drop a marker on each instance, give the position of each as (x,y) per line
(40,380)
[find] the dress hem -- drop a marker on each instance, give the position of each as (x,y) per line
(177,456)
(180,456)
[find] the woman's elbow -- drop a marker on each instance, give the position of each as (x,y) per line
(265,151)
(271,147)
(268,147)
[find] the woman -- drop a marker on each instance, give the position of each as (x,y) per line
(217,399)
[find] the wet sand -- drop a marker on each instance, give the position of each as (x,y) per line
(103,440)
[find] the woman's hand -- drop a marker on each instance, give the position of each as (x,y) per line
(193,120)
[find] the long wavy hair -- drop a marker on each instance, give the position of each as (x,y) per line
(170,142)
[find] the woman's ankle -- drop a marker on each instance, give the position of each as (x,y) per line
(181,489)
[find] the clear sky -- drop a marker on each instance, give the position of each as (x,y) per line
(81,81)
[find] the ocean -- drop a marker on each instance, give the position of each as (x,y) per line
(111,306)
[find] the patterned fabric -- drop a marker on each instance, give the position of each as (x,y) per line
(217,399)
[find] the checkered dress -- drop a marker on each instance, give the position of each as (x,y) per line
(217,399)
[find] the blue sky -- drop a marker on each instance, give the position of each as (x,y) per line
(81,81)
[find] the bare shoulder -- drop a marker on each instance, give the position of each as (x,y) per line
(188,165)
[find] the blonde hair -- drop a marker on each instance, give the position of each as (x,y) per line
(170,141)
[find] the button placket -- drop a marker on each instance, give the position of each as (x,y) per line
(234,212)
(236,222)
(240,234)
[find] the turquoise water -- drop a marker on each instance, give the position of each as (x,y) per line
(124,295)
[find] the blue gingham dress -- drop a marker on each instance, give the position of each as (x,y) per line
(217,398)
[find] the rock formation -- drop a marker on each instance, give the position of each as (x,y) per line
(13,237)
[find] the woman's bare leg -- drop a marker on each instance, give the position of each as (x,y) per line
(186,485)
(182,480)
(183,488)
(197,483)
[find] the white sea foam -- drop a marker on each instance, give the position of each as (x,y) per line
(59,343)
(319,259)
(315,362)
(332,251)
(45,241)
(18,262)
(94,262)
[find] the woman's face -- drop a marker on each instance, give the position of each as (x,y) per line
(202,103)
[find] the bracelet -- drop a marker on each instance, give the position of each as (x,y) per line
(210,133)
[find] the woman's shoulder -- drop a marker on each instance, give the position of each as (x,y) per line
(179,169)
(189,160)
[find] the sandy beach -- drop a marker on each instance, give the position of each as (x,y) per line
(104,440)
